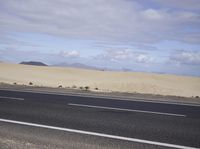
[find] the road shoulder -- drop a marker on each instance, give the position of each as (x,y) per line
(99,94)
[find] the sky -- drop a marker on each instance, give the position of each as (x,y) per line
(160,36)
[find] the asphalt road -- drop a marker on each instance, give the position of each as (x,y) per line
(116,123)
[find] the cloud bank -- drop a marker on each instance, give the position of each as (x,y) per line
(117,20)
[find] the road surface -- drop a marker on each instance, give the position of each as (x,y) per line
(44,120)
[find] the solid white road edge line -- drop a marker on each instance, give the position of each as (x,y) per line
(98,134)
(130,110)
(138,99)
(15,98)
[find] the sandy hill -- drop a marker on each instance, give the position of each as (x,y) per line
(104,80)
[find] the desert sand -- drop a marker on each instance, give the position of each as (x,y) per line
(147,83)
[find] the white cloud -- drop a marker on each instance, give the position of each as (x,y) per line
(118,20)
(71,54)
(144,58)
(186,57)
(125,55)
(153,14)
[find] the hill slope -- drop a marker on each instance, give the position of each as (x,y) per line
(78,65)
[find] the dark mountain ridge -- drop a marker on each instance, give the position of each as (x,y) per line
(34,63)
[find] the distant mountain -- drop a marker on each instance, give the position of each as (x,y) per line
(79,65)
(33,63)
(126,69)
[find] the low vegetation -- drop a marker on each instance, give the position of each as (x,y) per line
(87,87)
(74,86)
(81,88)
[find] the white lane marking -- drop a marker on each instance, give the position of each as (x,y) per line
(15,98)
(130,110)
(99,134)
(138,99)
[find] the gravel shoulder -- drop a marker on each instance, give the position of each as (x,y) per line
(26,137)
(100,94)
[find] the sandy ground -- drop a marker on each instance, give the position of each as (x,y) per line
(132,82)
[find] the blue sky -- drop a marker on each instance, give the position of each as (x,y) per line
(140,35)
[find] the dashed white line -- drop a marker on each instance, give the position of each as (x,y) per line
(138,99)
(15,98)
(130,110)
(99,134)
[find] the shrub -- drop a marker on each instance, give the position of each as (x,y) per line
(81,88)
(196,96)
(30,83)
(15,83)
(87,87)
(60,86)
(96,88)
(74,86)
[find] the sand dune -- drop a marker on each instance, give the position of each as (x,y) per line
(105,81)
